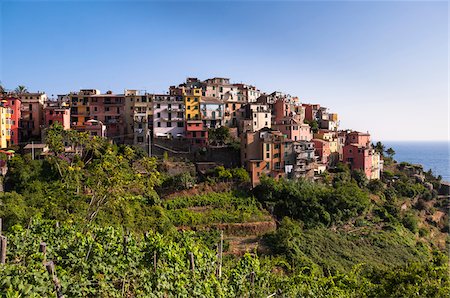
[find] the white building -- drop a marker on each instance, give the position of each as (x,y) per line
(168,116)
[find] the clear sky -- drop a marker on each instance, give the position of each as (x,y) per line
(382,66)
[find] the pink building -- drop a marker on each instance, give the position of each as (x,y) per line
(322,150)
(357,152)
(311,111)
(359,158)
(13,104)
(359,138)
(110,110)
(57,114)
(196,133)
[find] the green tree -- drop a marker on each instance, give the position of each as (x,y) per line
(21,89)
(219,135)
(390,152)
(360,178)
(240,175)
(380,148)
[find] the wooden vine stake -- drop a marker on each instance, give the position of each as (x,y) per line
(3,242)
(219,255)
(191,255)
(50,266)
(43,250)
(0,226)
(154,261)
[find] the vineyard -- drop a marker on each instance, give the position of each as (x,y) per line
(108,262)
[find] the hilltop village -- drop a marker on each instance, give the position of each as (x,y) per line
(272,134)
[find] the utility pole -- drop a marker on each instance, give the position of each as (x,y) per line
(149,143)
(32,150)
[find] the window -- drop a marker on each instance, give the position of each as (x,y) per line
(267,147)
(158,106)
(169,124)
(179,124)
(107,109)
(158,115)
(140,139)
(159,124)
(95,109)
(267,155)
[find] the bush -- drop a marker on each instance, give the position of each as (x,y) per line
(410,222)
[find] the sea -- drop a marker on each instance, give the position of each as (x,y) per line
(431,155)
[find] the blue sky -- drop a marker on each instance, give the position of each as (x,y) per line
(382,66)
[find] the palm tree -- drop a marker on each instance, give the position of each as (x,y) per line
(2,89)
(390,152)
(379,147)
(21,89)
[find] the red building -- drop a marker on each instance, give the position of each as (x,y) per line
(359,138)
(358,153)
(13,104)
(53,114)
(359,158)
(311,111)
(196,133)
(322,150)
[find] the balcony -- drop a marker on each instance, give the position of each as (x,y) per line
(172,119)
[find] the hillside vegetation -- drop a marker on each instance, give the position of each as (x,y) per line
(342,236)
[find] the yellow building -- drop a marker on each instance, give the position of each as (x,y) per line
(192,98)
(3,127)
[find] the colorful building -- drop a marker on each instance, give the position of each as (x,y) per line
(168,116)
(256,116)
(57,113)
(359,154)
(32,115)
(138,118)
(196,133)
(3,126)
(262,153)
(211,109)
(13,104)
(192,100)
(322,149)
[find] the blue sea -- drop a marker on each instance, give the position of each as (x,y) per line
(432,155)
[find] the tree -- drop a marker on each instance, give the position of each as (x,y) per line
(390,152)
(2,89)
(21,89)
(219,135)
(314,125)
(380,148)
(360,178)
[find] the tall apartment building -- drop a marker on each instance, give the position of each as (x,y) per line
(138,117)
(56,112)
(212,111)
(249,93)
(3,125)
(108,109)
(359,154)
(168,116)
(300,160)
(256,116)
(32,115)
(263,153)
(13,104)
